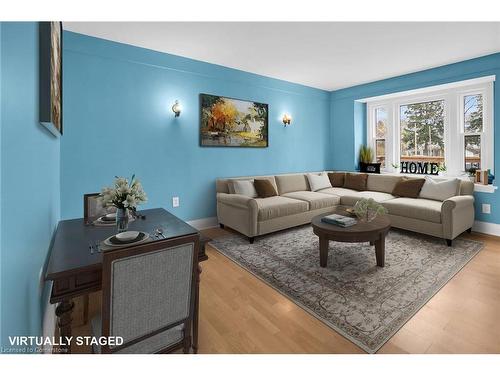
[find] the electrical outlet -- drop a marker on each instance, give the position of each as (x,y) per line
(175,202)
(486,208)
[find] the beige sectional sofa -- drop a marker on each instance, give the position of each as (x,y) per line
(296,205)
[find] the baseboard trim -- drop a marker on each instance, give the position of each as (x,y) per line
(49,322)
(204,223)
(486,228)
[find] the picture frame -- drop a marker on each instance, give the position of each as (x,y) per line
(231,122)
(51,76)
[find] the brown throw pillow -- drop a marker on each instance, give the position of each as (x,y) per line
(355,181)
(337,179)
(408,187)
(265,188)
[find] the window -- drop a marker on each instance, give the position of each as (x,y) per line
(473,129)
(450,125)
(422,132)
(380,127)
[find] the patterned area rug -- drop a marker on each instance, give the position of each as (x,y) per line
(364,303)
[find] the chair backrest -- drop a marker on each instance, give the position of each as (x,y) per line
(92,208)
(147,290)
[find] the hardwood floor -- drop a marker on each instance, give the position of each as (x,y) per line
(241,314)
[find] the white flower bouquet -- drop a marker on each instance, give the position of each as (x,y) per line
(124,194)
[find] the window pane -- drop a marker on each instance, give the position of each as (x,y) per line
(422,132)
(473,113)
(472,152)
(380,151)
(380,121)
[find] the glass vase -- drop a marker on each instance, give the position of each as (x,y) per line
(122,219)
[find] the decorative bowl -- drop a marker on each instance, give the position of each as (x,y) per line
(127,236)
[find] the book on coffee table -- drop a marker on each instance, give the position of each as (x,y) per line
(340,220)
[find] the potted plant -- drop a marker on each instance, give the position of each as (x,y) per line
(367,209)
(366,160)
(442,168)
(125,196)
(471,172)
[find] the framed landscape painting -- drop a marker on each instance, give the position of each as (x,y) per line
(227,122)
(50,76)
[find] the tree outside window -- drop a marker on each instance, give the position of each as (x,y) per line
(422,132)
(473,127)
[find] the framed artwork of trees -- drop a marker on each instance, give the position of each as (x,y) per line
(50,76)
(228,122)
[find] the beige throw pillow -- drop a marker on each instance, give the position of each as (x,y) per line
(439,190)
(318,181)
(245,187)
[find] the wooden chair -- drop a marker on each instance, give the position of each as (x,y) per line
(92,209)
(148,296)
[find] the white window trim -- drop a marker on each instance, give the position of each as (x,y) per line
(452,94)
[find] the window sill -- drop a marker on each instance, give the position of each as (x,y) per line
(480,188)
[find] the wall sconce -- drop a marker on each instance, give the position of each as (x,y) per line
(176,108)
(287,119)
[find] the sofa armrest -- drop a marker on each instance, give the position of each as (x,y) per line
(457,215)
(239,212)
(458,201)
(235,200)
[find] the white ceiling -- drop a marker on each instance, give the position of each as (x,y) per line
(329,55)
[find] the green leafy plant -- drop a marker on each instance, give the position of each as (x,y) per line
(365,154)
(442,168)
(471,172)
(368,209)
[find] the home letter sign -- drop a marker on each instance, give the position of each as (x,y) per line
(419,167)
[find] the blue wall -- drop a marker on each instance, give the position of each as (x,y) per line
(348,126)
(30,187)
(118,121)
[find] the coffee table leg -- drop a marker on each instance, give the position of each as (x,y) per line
(380,251)
(323,251)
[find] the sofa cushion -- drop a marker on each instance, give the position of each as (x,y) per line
(230,187)
(379,182)
(408,187)
(440,190)
(466,187)
(264,188)
(245,187)
(291,182)
(270,208)
(422,209)
(318,181)
(336,179)
(377,196)
(338,191)
(224,185)
(355,181)
(315,200)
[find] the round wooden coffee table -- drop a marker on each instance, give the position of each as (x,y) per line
(373,232)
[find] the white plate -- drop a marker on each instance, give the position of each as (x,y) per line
(101,222)
(108,243)
(127,236)
(111,216)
